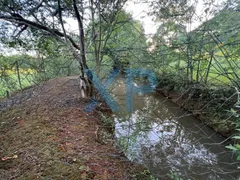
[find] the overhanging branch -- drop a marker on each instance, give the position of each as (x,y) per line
(54,32)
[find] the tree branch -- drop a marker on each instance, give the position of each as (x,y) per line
(81,34)
(61,21)
(21,20)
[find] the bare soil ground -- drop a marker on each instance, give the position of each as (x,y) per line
(45,134)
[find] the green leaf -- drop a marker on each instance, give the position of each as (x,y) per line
(236,137)
(231,147)
(238,146)
(238,157)
(233,111)
(11,44)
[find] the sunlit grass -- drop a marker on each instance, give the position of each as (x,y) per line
(11,82)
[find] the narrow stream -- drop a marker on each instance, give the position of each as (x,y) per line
(161,136)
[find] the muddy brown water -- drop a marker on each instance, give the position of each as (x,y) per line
(166,139)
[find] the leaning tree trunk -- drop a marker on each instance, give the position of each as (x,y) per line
(82,59)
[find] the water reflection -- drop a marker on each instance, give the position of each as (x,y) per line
(161,136)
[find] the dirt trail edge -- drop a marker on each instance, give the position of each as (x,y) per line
(44,134)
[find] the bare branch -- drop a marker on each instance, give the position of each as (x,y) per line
(61,21)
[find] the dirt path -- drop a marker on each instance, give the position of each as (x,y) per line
(45,134)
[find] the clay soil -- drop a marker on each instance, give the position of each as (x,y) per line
(45,134)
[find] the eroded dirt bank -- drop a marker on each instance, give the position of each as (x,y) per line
(45,134)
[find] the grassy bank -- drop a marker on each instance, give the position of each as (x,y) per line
(210,104)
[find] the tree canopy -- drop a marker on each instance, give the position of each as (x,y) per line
(26,21)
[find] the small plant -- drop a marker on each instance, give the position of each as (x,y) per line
(236,147)
(144,175)
(106,121)
(174,176)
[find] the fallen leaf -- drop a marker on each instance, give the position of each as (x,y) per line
(62,148)
(20,121)
(5,158)
(9,157)
(68,144)
(105,175)
(84,174)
